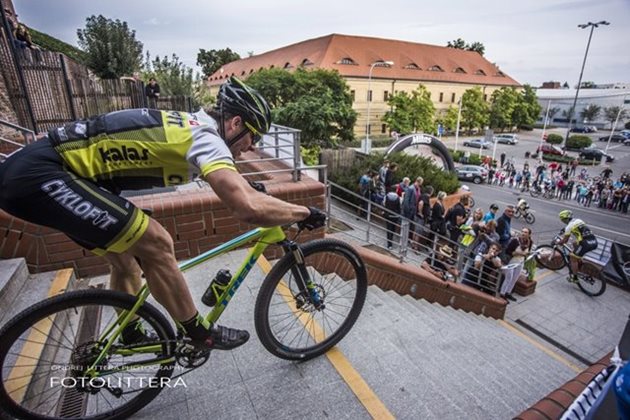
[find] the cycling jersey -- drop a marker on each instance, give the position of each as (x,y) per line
(141,148)
(577,228)
(70,179)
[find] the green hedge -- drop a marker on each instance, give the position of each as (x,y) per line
(578,142)
(554,138)
(474,158)
(408,166)
(567,159)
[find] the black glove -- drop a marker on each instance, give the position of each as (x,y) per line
(315,220)
(258,186)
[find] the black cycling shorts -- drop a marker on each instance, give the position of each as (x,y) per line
(587,244)
(36,187)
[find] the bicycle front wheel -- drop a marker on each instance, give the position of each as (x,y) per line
(592,286)
(549,257)
(288,324)
(46,350)
(517,214)
(529,218)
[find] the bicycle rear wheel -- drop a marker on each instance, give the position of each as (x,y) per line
(288,324)
(549,257)
(45,350)
(592,286)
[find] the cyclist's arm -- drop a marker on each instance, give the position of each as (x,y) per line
(251,206)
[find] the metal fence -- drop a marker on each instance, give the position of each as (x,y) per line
(411,242)
(48,89)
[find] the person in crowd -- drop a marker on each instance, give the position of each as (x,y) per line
(518,248)
(491,215)
(402,186)
(443,264)
(471,227)
(504,226)
(438,223)
(455,217)
(363,188)
(392,217)
(377,191)
(152,91)
(382,171)
(607,172)
(410,201)
(390,176)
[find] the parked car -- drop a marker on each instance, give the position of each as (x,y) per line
(584,129)
(626,142)
(476,174)
(616,138)
(625,133)
(477,143)
(550,149)
(593,153)
(506,138)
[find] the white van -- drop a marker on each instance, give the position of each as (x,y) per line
(506,138)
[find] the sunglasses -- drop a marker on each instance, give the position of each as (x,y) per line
(256,137)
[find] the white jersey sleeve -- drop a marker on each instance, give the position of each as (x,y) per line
(208,151)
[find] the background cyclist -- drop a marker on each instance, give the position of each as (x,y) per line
(585,241)
(69,180)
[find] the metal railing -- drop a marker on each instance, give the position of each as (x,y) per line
(410,242)
(8,146)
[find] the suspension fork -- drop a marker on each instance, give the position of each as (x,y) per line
(300,272)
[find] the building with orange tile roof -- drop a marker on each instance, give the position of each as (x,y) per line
(446,72)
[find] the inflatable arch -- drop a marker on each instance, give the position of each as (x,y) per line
(437,147)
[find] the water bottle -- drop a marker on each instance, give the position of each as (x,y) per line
(218,284)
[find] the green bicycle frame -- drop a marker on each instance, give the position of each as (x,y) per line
(264,238)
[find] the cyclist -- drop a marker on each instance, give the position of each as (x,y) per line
(522,206)
(585,241)
(70,179)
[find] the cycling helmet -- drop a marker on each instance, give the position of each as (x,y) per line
(239,99)
(565,215)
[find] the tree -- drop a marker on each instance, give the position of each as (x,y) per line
(552,112)
(477,47)
(503,102)
(318,102)
(111,47)
(527,108)
(590,113)
(174,77)
(460,44)
(475,111)
(447,118)
(610,114)
(411,113)
(565,85)
(211,61)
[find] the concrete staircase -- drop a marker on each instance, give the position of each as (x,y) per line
(421,360)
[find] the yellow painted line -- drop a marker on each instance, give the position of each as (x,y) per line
(544,275)
(540,346)
(356,383)
(17,383)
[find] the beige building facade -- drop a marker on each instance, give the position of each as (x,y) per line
(446,72)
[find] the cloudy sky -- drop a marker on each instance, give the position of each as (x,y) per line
(533,41)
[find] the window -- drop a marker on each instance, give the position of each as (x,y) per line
(369,96)
(500,74)
(441,96)
(347,60)
(369,129)
(480,72)
(287,65)
(385,96)
(383,128)
(435,68)
(352,93)
(243,73)
(459,70)
(412,66)
(452,97)
(306,62)
(485,97)
(429,95)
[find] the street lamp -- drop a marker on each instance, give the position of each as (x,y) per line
(577,91)
(368,144)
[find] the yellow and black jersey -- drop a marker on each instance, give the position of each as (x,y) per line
(142,148)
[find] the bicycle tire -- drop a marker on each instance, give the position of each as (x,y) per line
(87,310)
(534,192)
(303,321)
(530,218)
(471,201)
(549,257)
(591,286)
(517,214)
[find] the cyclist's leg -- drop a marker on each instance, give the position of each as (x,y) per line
(125,275)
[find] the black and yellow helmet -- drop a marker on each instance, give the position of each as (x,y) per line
(565,216)
(239,99)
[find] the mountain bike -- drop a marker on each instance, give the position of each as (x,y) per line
(555,256)
(65,357)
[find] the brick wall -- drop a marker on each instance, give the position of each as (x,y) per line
(196,219)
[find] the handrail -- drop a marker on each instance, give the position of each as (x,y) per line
(28,134)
